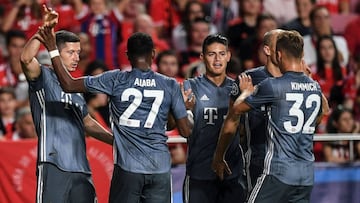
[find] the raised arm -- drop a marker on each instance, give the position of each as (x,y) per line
(10,18)
(230,125)
(94,129)
(29,63)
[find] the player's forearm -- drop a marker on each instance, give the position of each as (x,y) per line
(184,126)
(227,133)
(94,129)
(10,19)
(67,82)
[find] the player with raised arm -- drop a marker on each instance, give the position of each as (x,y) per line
(61,119)
(254,121)
(140,101)
(293,102)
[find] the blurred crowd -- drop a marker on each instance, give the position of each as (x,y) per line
(178,27)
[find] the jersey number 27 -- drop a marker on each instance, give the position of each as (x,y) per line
(125,119)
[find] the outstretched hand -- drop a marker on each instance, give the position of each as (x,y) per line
(51,17)
(245,83)
(188,96)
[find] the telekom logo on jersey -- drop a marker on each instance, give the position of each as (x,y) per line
(68,100)
(211,114)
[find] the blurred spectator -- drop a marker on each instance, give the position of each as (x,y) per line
(103,29)
(302,23)
(251,50)
(67,15)
(25,15)
(168,64)
(234,68)
(97,104)
(282,10)
(178,154)
(198,31)
(243,27)
(356,83)
(335,6)
(7,112)
(329,73)
(3,51)
(24,124)
(328,70)
(178,165)
(166,15)
(142,23)
(340,121)
(221,12)
(351,35)
(85,55)
(193,9)
(11,74)
(320,23)
(126,12)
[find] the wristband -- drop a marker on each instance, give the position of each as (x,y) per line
(190,116)
(54,53)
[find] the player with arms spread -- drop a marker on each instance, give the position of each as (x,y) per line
(140,101)
(294,105)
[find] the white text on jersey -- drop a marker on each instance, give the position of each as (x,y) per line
(303,86)
(145,82)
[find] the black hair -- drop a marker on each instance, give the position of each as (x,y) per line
(186,12)
(63,36)
(195,21)
(8,90)
(262,17)
(163,54)
(139,45)
(14,34)
(210,39)
(337,74)
(96,64)
(335,116)
(291,42)
(315,10)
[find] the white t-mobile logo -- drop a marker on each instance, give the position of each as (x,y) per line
(210,114)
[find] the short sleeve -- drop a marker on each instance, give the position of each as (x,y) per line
(235,90)
(103,83)
(263,94)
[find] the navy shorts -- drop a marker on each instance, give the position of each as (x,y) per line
(127,187)
(214,191)
(269,189)
(57,186)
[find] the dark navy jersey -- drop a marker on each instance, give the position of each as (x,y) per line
(139,105)
(210,109)
(293,102)
(256,119)
(58,119)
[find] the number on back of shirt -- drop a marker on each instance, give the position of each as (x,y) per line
(305,126)
(125,119)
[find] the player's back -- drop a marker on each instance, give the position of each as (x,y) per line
(292,119)
(139,105)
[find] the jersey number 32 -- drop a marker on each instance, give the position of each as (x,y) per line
(307,126)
